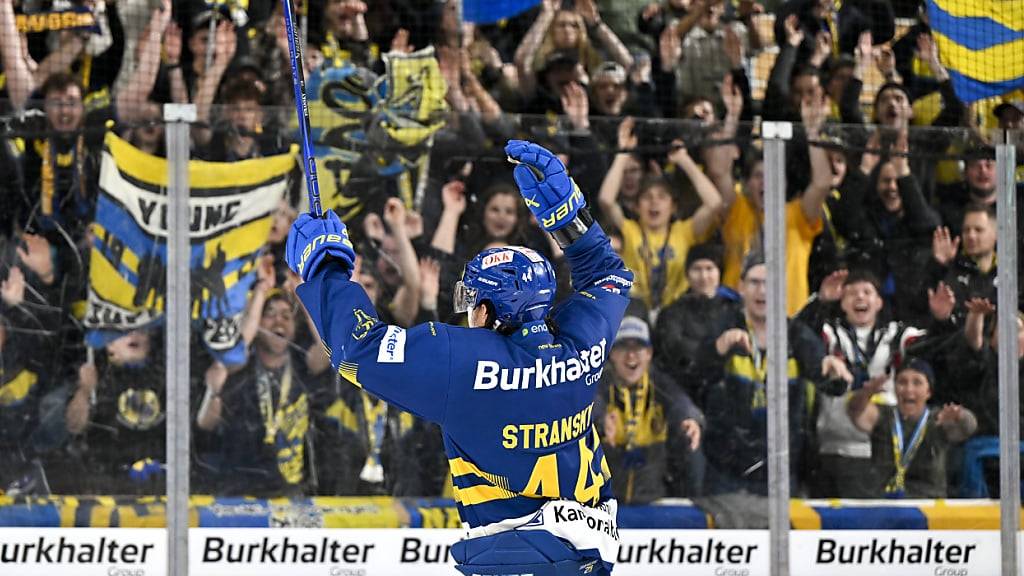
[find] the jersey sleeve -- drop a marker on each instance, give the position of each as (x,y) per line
(407,368)
(601,282)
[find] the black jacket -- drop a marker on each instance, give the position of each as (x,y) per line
(681,329)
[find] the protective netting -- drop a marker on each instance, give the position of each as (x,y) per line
(658,110)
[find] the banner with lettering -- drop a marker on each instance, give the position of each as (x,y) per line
(372,133)
(230,207)
(79,18)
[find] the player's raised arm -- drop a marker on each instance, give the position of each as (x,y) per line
(398,365)
(600,278)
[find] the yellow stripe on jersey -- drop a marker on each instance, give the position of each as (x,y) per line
(460,467)
(481,494)
(349,371)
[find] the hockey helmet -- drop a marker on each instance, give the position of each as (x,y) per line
(518,282)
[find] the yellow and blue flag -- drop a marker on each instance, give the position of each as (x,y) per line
(230,206)
(981,43)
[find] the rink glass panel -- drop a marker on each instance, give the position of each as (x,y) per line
(83,406)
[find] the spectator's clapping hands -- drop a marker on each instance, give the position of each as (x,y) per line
(400,42)
(732,97)
(627,139)
(950,414)
(216,376)
(670,49)
(588,10)
(576,105)
(453,196)
(430,283)
(12,290)
(733,338)
(885,61)
(901,149)
(395,217)
(88,377)
(831,289)
(974,323)
(266,278)
(822,49)
(691,429)
(941,301)
(834,368)
(979,307)
(732,46)
(944,247)
(35,255)
(794,34)
(172,44)
(612,425)
(227,43)
(863,55)
(869,159)
(678,154)
(875,384)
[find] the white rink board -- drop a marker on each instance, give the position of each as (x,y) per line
(414,552)
(895,552)
(83,552)
(385,552)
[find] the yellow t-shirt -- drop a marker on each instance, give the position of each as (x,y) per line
(643,258)
(743,225)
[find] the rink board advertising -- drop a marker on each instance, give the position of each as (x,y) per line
(412,552)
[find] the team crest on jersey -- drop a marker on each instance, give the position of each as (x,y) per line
(363,324)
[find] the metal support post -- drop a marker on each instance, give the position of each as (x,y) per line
(178,118)
(776,134)
(1009,391)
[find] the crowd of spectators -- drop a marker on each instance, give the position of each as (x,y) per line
(655,107)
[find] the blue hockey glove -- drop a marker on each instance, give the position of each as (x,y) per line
(144,469)
(311,240)
(547,189)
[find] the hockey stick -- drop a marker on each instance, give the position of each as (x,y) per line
(302,110)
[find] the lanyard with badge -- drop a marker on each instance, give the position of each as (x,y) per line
(272,417)
(656,275)
(903,455)
(376,417)
(635,415)
(759,400)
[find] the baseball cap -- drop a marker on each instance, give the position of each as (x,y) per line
(919,365)
(633,328)
(610,70)
(1017,105)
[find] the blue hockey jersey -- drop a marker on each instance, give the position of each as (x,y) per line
(516,411)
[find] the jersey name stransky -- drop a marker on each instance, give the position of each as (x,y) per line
(490,374)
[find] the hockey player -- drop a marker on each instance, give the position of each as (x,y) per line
(513,393)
